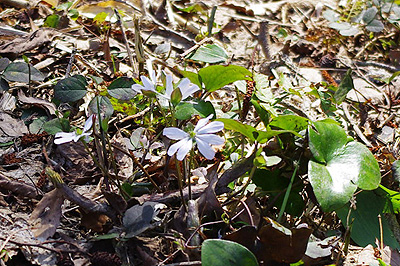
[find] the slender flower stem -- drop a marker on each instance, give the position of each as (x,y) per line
(94,158)
(180,183)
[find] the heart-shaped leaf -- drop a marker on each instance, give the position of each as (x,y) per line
(218,252)
(70,89)
(121,89)
(339,167)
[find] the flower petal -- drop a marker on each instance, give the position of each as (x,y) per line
(202,122)
(187,88)
(210,139)
(148,85)
(205,149)
(64,137)
(88,123)
(175,133)
(137,87)
(213,127)
(168,86)
(184,149)
(185,144)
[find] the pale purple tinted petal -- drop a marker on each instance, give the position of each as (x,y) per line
(205,149)
(184,149)
(77,137)
(187,88)
(202,122)
(175,133)
(173,148)
(189,91)
(137,87)
(88,124)
(153,77)
(211,139)
(168,86)
(213,127)
(148,85)
(64,137)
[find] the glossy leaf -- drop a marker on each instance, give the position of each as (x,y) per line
(325,140)
(215,77)
(218,252)
(70,89)
(339,167)
(121,89)
(375,26)
(19,72)
(210,53)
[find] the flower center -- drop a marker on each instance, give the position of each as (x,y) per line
(192,134)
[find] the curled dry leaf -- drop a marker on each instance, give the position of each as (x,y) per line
(37,102)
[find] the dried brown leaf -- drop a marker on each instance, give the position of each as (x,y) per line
(37,102)
(45,218)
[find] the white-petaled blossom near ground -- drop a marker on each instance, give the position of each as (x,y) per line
(185,86)
(202,136)
(64,137)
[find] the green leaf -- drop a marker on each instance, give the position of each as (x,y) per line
(176,96)
(325,140)
(340,168)
(4,85)
(218,252)
(345,86)
(121,89)
(56,125)
(250,132)
(365,227)
(393,199)
(369,15)
(262,113)
(210,53)
(193,77)
(4,62)
(246,130)
(19,72)
(290,122)
(106,107)
(375,26)
(185,110)
(70,89)
(52,21)
(215,77)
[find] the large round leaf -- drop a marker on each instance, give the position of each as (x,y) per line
(348,167)
(325,139)
(218,252)
(121,89)
(70,89)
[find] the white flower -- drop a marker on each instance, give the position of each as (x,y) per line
(201,135)
(185,86)
(148,85)
(64,137)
